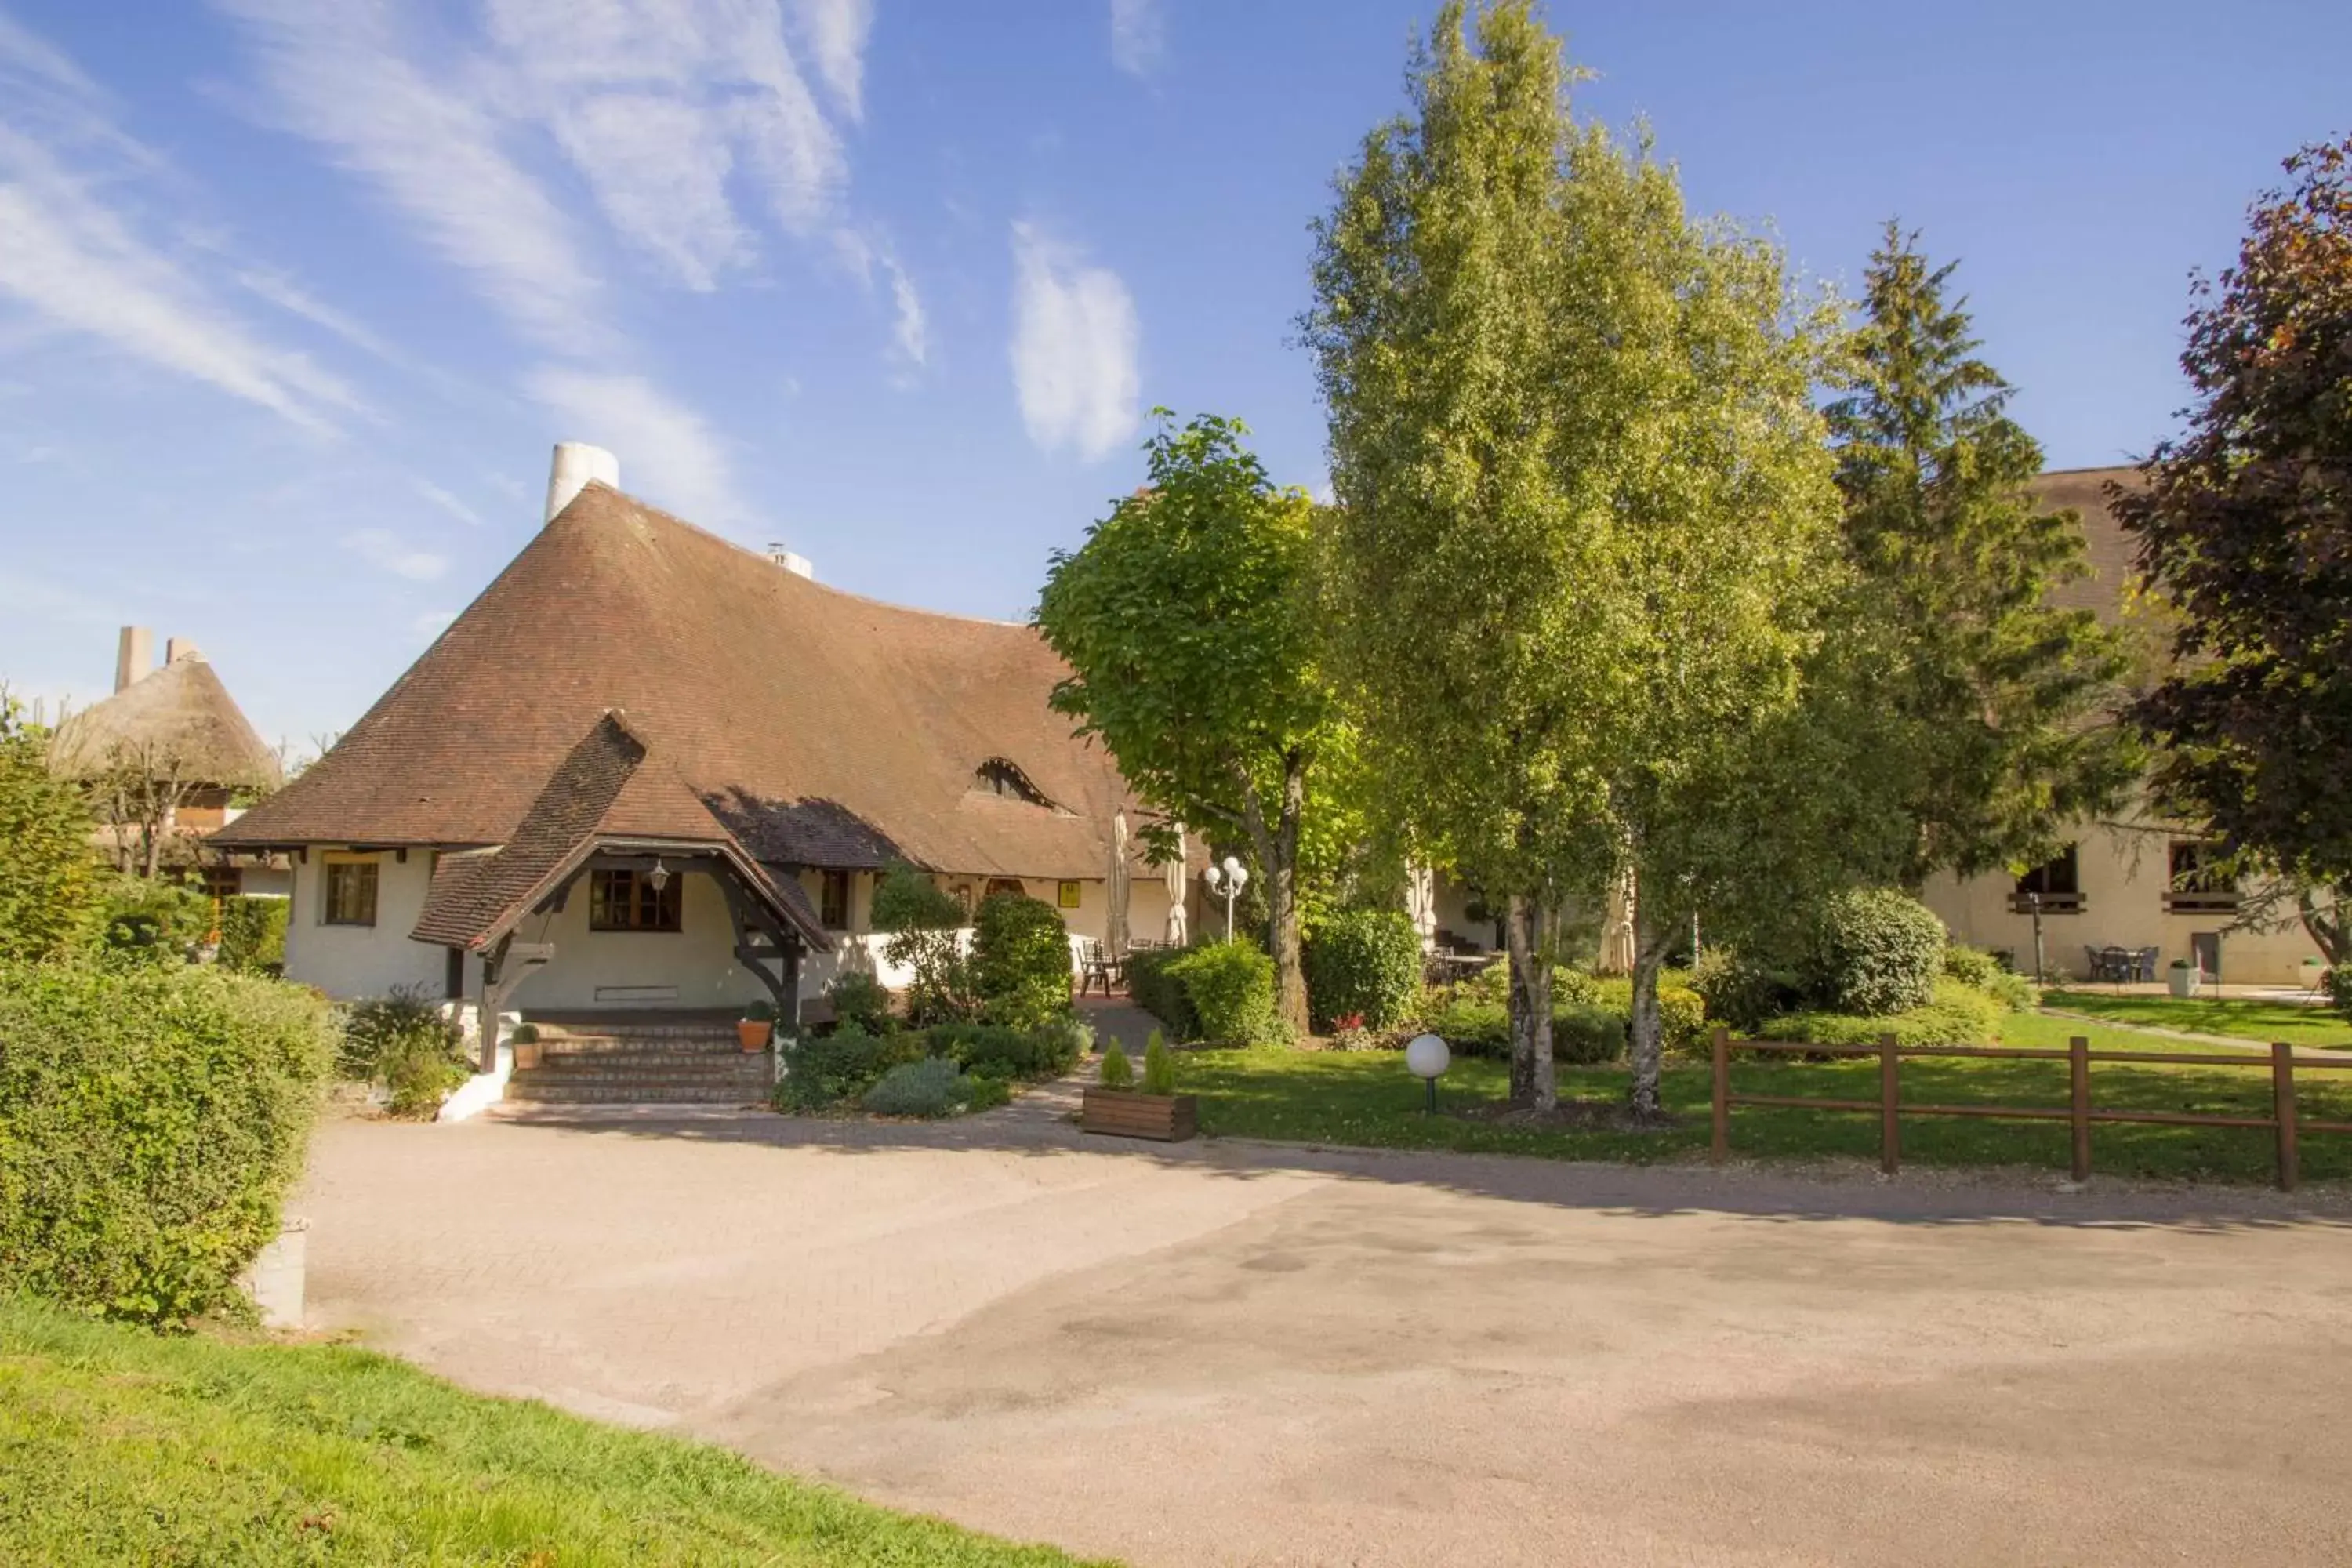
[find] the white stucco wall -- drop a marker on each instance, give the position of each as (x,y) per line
(351,961)
(2124,875)
(696,963)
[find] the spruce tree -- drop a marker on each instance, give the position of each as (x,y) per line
(1989,713)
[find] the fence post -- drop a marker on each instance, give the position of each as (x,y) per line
(2283,1094)
(1720,1149)
(1890,1100)
(2078,1073)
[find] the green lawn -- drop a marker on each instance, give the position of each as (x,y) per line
(2247,1019)
(117,1446)
(1368,1099)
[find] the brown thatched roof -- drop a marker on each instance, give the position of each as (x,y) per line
(179,718)
(818,727)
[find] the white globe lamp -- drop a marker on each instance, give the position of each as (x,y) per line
(1426,1058)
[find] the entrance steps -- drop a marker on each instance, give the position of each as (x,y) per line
(656,1061)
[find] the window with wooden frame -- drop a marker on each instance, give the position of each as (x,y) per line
(2199,883)
(1068,894)
(223,882)
(2057,883)
(350,898)
(833,900)
(628,900)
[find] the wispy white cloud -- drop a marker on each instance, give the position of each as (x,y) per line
(669,453)
(1075,346)
(345,76)
(1139,35)
(79,265)
(447,503)
(386,551)
(910,338)
(283,292)
(836,32)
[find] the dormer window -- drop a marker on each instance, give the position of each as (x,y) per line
(998,778)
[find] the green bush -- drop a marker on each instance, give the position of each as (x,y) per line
(1117,1072)
(1364,964)
(143,918)
(931,1087)
(1682,1013)
(923,920)
(2013,993)
(1875,950)
(861,1000)
(2339,988)
(1231,987)
(1581,1034)
(253,934)
(405,1043)
(985,1093)
(1019,961)
(152,1120)
(1970,966)
(48,879)
(1153,986)
(1047,1051)
(828,1069)
(1159,1066)
(1957,1015)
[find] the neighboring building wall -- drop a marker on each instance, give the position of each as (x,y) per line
(351,961)
(2124,876)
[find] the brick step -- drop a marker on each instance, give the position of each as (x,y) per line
(683,1041)
(521,1090)
(629,1055)
(759,1078)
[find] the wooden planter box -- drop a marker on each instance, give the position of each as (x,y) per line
(1125,1113)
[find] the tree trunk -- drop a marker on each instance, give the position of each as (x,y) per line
(2330,929)
(1652,933)
(1278,857)
(1526,923)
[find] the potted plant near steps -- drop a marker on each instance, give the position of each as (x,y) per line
(2182,977)
(528,1051)
(1118,1108)
(758,1023)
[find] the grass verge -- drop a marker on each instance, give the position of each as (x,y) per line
(2244,1019)
(122,1447)
(1367,1099)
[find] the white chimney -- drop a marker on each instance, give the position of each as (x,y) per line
(576,463)
(791,563)
(177,649)
(134,655)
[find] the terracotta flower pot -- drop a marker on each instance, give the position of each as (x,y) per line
(527,1054)
(753,1033)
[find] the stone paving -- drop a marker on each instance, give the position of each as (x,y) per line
(1239,1353)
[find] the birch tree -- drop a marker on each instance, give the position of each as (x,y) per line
(1585,502)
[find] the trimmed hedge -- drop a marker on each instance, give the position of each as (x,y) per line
(1153,986)
(1957,1015)
(1363,964)
(1019,961)
(152,1120)
(994,1050)
(253,934)
(1875,951)
(1231,987)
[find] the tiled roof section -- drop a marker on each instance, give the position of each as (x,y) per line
(823,728)
(180,711)
(2108,548)
(605,792)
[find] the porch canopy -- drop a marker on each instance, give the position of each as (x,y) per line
(610,803)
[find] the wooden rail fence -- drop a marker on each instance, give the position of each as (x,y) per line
(2283,1122)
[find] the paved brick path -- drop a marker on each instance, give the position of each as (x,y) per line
(1245,1354)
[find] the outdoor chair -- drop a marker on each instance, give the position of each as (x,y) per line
(1096,964)
(2145,968)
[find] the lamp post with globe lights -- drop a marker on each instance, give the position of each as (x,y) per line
(1228,879)
(1426,1058)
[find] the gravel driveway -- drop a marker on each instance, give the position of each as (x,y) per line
(1245,1354)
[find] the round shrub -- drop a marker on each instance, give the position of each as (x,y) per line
(1363,964)
(1585,1036)
(1875,951)
(152,1120)
(931,1087)
(1231,987)
(1970,966)
(1019,961)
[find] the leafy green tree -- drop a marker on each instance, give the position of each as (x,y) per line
(2244,527)
(1987,711)
(49,879)
(1187,619)
(1585,503)
(923,921)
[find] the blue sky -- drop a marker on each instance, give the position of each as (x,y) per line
(295,295)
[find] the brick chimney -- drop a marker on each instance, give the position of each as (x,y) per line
(177,649)
(134,655)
